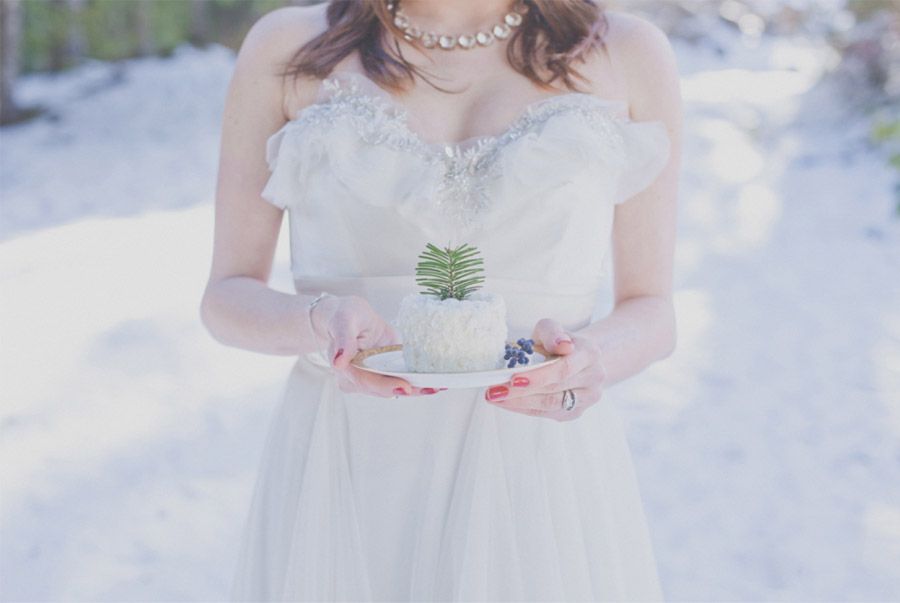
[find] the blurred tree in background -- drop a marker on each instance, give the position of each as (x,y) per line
(60,33)
(10,45)
(53,35)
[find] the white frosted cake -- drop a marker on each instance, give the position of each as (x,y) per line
(451,327)
(452,335)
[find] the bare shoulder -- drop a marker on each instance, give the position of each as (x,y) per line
(634,42)
(643,59)
(274,38)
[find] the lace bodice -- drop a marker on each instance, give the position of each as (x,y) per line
(365,192)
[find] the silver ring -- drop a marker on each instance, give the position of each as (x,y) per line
(568,400)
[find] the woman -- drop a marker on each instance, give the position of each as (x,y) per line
(397,124)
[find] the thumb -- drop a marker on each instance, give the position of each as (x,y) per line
(343,346)
(551,334)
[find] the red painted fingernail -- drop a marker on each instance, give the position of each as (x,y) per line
(338,355)
(520,381)
(496,392)
(399,390)
(428,390)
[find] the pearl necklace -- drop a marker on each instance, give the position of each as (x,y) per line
(431,39)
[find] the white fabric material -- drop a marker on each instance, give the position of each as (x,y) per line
(444,497)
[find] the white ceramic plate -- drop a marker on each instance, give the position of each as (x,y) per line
(388,360)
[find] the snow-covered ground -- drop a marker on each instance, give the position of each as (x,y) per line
(768,445)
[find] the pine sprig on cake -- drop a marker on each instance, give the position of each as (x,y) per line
(450,327)
(449,272)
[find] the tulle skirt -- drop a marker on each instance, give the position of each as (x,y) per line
(440,498)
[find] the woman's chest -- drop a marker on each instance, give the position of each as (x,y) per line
(360,148)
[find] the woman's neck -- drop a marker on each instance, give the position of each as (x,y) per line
(456,16)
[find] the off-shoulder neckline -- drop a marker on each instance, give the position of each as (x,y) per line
(359,84)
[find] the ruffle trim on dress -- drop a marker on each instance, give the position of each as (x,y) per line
(292,154)
(360,138)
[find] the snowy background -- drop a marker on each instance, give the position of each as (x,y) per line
(768,445)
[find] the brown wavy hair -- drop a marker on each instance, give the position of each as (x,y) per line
(553,35)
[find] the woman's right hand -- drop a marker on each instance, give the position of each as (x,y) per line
(350,324)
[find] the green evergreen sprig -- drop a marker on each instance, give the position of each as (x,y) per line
(449,272)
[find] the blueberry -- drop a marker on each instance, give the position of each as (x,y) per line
(525,361)
(511,363)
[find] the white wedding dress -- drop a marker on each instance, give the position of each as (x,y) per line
(444,497)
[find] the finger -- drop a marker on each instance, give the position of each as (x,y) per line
(353,380)
(426,391)
(381,385)
(563,371)
(344,344)
(546,402)
(551,401)
(556,340)
(581,373)
(551,334)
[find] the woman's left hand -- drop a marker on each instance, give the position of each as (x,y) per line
(539,392)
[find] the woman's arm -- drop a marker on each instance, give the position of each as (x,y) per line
(641,327)
(238,307)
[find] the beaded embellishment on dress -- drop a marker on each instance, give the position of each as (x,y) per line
(467,166)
